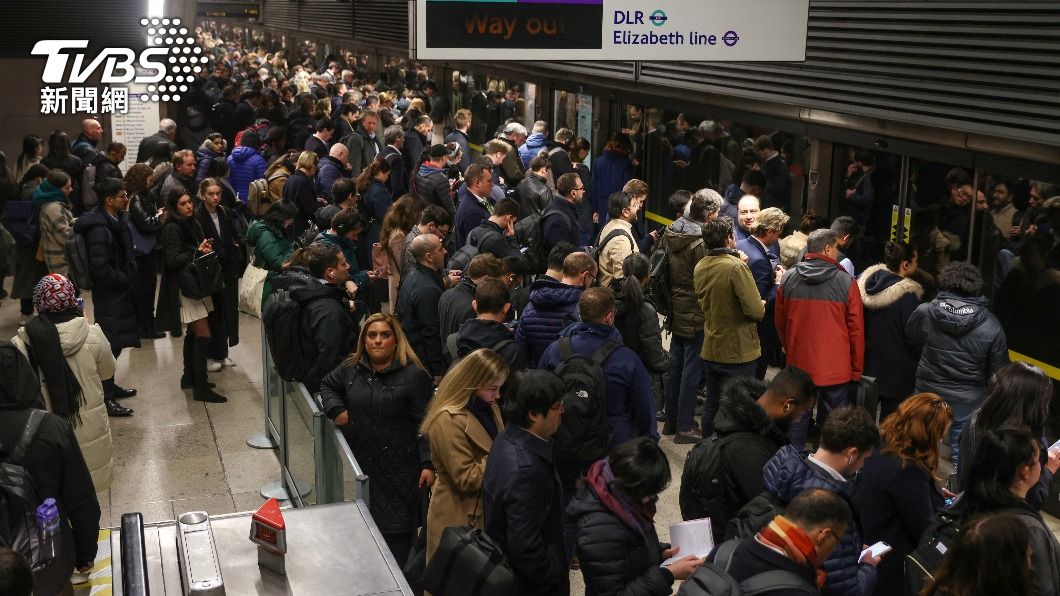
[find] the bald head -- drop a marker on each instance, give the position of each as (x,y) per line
(92,129)
(427,250)
(748,212)
(339,151)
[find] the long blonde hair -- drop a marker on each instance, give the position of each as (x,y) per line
(403,352)
(477,370)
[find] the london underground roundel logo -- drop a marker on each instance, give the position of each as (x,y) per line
(657,18)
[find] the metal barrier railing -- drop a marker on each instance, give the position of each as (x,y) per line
(317,466)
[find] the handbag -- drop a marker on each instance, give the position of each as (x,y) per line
(202,277)
(417,559)
(468,562)
(143,244)
(251,289)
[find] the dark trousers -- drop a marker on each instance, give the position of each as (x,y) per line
(400,543)
(147,279)
(888,406)
(224,318)
(686,375)
(828,398)
(717,374)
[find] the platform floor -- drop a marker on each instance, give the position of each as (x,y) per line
(175,454)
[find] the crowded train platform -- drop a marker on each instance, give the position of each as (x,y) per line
(333,310)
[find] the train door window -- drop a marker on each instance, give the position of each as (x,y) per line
(574,111)
(1017,252)
(866,188)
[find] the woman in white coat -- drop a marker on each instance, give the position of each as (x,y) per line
(71,357)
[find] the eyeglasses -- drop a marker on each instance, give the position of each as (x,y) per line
(592,278)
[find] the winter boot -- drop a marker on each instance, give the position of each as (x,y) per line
(187,380)
(203,392)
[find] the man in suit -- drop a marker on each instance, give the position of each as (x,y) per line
(767,271)
(394,138)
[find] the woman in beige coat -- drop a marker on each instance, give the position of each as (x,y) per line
(402,215)
(71,357)
(461,422)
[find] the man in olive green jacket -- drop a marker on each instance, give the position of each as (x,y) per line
(732,308)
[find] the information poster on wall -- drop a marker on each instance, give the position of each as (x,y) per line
(585,117)
(131,127)
(695,30)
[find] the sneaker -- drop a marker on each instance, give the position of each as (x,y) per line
(228,362)
(214,365)
(691,436)
(669,428)
(660,416)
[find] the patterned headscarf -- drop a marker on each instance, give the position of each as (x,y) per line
(55,293)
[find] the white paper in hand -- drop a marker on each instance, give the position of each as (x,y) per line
(693,536)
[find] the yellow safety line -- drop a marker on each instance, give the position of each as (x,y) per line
(658,218)
(1052,371)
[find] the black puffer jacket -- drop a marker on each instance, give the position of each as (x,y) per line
(113,270)
(746,455)
(325,317)
(963,346)
(385,412)
(615,558)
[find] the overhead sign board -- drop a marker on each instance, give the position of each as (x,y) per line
(693,30)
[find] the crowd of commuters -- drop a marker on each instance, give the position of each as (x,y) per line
(452,293)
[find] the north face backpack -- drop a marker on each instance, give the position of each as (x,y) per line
(19,497)
(584,433)
(79,268)
(703,491)
(713,579)
(293,351)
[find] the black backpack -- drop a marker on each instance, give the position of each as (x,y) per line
(659,286)
(713,579)
(703,491)
(754,516)
(528,233)
(462,257)
(22,219)
(925,560)
(79,268)
(293,352)
(19,498)
(584,433)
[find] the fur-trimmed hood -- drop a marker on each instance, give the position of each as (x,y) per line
(880,288)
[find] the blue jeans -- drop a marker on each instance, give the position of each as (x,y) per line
(717,374)
(828,398)
(962,412)
(686,374)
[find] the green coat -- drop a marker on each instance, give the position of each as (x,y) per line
(731,307)
(271,250)
(683,240)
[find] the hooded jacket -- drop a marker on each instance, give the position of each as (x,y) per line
(819,321)
(56,225)
(432,185)
(683,241)
(790,472)
(531,147)
(325,318)
(329,170)
(204,155)
(889,300)
(630,401)
(744,457)
(90,359)
(553,307)
(963,346)
(114,279)
(483,333)
(386,410)
(54,459)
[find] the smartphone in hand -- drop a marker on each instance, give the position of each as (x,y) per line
(876,550)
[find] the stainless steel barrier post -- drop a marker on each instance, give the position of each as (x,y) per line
(263,440)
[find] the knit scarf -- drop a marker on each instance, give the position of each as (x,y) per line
(65,392)
(797,546)
(638,516)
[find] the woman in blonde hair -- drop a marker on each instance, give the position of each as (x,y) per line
(461,422)
(899,494)
(378,397)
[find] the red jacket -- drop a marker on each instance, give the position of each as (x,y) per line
(819,320)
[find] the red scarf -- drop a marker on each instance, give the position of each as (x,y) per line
(796,544)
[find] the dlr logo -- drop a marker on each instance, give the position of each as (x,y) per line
(626,17)
(117,62)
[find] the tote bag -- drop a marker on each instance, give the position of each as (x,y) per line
(251,289)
